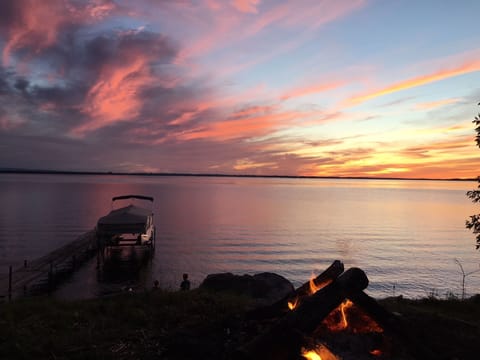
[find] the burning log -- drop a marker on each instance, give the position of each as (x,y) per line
(291,300)
(325,278)
(384,318)
(393,324)
(285,339)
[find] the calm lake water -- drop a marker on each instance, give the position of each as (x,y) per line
(406,235)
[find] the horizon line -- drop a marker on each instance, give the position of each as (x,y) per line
(120,173)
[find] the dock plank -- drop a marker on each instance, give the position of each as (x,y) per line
(37,271)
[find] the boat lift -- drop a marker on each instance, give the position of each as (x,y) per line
(127,226)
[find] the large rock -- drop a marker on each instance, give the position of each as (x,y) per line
(265,287)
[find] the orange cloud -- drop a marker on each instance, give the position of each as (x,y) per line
(434,104)
(455,144)
(247,164)
(231,129)
(465,68)
(448,157)
(466,167)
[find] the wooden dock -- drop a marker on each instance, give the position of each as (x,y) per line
(42,275)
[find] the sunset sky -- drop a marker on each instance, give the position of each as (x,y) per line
(302,87)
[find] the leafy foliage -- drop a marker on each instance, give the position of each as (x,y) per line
(474,195)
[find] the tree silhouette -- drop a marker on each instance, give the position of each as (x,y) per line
(474,222)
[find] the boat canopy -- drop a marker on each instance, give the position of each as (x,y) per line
(123,197)
(129,219)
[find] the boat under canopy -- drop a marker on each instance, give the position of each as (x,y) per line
(129,225)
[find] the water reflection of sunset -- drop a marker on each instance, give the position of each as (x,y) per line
(294,227)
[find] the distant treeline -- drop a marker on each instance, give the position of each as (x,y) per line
(116,173)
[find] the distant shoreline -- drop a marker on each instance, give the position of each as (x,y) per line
(115,173)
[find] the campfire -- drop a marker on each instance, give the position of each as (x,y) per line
(330,317)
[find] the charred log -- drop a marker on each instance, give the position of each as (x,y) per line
(396,327)
(384,318)
(285,338)
(280,307)
(322,280)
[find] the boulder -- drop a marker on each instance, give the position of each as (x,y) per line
(264,287)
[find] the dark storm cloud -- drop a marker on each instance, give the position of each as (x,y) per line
(54,111)
(11,13)
(37,113)
(82,66)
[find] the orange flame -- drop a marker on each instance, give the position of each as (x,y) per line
(314,287)
(337,321)
(293,304)
(355,320)
(376,352)
(347,304)
(311,355)
(319,353)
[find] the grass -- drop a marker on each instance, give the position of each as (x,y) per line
(128,326)
(444,328)
(467,310)
(193,325)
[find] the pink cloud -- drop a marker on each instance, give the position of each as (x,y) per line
(306,14)
(213,5)
(227,28)
(36,25)
(115,96)
(240,128)
(246,6)
(311,89)
(9,122)
(186,116)
(217,34)
(99,9)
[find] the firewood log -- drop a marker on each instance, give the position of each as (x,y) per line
(280,307)
(395,326)
(285,338)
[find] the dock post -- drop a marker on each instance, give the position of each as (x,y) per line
(98,259)
(10,274)
(25,263)
(50,278)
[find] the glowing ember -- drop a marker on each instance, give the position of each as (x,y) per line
(311,355)
(347,304)
(348,316)
(337,321)
(320,353)
(376,352)
(293,304)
